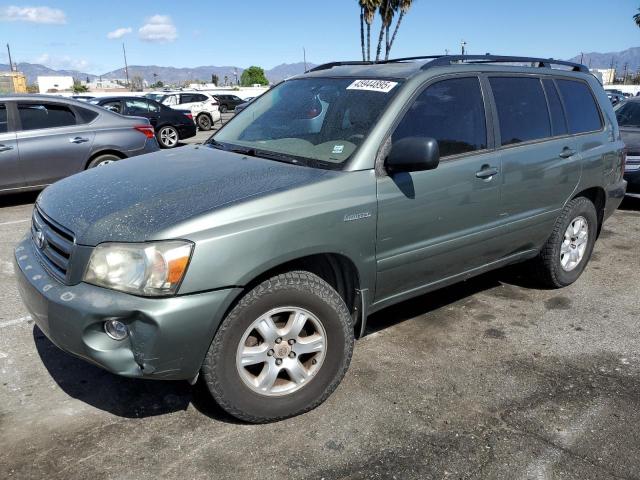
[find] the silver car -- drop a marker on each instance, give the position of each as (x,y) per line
(46,138)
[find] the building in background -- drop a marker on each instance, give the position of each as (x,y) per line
(13,82)
(52,84)
(606,75)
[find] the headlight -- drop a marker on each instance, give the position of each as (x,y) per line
(149,269)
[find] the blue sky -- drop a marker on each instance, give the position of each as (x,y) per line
(74,34)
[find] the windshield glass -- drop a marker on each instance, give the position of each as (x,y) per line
(318,122)
(628,114)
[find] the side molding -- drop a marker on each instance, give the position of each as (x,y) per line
(361,312)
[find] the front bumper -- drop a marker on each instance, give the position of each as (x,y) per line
(168,339)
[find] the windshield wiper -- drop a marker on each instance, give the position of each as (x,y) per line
(278,157)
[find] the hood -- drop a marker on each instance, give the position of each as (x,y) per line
(631,138)
(132,200)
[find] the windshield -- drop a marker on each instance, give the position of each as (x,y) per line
(628,114)
(318,122)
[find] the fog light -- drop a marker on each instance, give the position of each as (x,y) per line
(116,329)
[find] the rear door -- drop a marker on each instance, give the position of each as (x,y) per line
(139,107)
(541,166)
(11,176)
(436,224)
(54,141)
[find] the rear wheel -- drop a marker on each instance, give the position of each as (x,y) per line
(568,250)
(168,137)
(281,351)
(102,160)
(204,122)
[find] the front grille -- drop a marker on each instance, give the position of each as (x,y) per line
(53,242)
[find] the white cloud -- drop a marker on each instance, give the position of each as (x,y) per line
(13,13)
(118,33)
(61,63)
(159,28)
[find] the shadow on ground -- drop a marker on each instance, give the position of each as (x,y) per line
(16,199)
(139,398)
(121,396)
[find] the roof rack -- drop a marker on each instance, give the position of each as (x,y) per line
(444,60)
(488,58)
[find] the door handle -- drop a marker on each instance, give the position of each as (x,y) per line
(78,140)
(5,148)
(487,172)
(567,152)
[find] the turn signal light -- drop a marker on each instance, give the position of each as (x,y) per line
(147,130)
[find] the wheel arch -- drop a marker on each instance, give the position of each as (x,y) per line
(109,151)
(336,269)
(598,197)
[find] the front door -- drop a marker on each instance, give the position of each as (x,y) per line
(434,225)
(9,158)
(53,142)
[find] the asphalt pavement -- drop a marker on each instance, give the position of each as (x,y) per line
(490,378)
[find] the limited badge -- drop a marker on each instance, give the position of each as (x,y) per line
(384,86)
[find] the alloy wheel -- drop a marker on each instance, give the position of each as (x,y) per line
(574,244)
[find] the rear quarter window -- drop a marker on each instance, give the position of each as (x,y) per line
(582,111)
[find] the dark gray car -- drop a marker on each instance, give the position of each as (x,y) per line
(628,115)
(46,138)
(253,262)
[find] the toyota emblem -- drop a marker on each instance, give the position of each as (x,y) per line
(39,239)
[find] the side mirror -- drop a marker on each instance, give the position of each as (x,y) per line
(413,154)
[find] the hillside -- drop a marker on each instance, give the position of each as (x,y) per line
(603,60)
(166,74)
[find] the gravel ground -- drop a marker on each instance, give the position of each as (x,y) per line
(491,378)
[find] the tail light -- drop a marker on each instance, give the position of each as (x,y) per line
(189,116)
(147,130)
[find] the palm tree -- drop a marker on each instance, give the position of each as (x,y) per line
(386,11)
(636,17)
(367,16)
(405,5)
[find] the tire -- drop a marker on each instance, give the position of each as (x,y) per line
(226,380)
(204,122)
(168,136)
(102,160)
(223,108)
(549,263)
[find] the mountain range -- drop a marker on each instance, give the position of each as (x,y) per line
(630,57)
(169,75)
(174,75)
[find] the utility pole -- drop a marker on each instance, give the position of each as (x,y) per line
(462,46)
(126,67)
(624,74)
(446,51)
(304,57)
(10,61)
(581,57)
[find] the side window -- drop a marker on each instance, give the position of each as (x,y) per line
(522,109)
(580,105)
(113,106)
(136,107)
(171,100)
(86,116)
(154,107)
(200,98)
(4,121)
(558,119)
(45,115)
(187,98)
(452,112)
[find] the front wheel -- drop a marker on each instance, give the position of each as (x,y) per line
(281,351)
(567,251)
(168,137)
(102,160)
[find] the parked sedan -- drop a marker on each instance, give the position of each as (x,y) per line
(46,138)
(171,125)
(228,103)
(628,115)
(244,104)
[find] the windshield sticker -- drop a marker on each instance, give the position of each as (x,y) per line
(338,149)
(383,86)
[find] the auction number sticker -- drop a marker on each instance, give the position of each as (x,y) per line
(383,86)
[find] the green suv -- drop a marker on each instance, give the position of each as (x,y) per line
(252,262)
